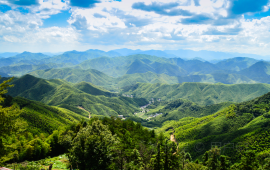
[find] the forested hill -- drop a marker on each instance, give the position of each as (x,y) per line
(57,92)
(245,125)
(201,93)
(42,118)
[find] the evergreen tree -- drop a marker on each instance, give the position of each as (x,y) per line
(92,147)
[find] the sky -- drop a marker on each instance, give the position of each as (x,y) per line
(241,26)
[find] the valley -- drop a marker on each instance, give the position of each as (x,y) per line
(134,85)
(144,100)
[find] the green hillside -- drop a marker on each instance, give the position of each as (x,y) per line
(93,90)
(100,68)
(194,66)
(179,109)
(75,75)
(100,79)
(245,125)
(236,64)
(200,93)
(139,63)
(217,77)
(259,72)
(57,92)
(42,118)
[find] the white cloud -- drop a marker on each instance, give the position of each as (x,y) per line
(122,26)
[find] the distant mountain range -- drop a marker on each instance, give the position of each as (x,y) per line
(124,63)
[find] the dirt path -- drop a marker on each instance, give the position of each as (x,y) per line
(85,110)
(172,138)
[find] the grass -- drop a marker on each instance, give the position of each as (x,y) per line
(59,162)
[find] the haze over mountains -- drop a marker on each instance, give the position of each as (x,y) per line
(119,68)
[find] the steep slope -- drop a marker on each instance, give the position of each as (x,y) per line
(149,77)
(75,75)
(217,77)
(100,79)
(200,93)
(139,67)
(92,89)
(42,118)
(260,71)
(140,63)
(195,66)
(242,127)
(59,92)
(236,64)
(178,109)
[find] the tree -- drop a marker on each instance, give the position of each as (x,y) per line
(224,163)
(9,122)
(267,163)
(92,148)
(185,158)
(213,162)
(249,161)
(205,158)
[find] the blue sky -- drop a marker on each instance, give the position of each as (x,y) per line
(62,25)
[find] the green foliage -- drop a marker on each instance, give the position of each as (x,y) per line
(200,93)
(9,122)
(59,92)
(249,161)
(92,147)
(179,109)
(42,118)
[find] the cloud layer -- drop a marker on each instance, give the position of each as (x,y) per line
(218,25)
